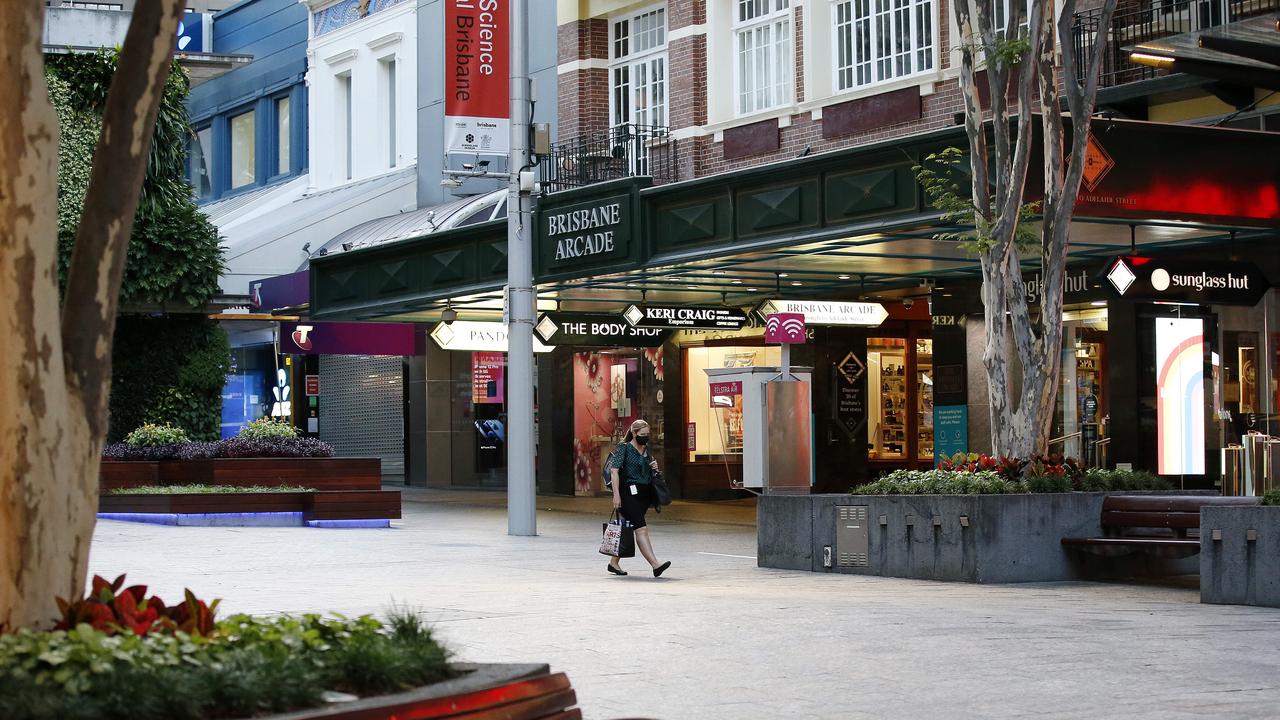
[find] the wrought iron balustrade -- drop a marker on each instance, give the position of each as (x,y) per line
(1134,23)
(620,152)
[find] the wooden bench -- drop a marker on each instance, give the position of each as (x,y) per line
(1151,523)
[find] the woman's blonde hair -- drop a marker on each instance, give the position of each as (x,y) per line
(636,427)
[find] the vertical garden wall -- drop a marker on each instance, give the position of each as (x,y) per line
(167,366)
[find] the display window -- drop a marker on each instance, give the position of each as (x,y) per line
(1081,412)
(612,389)
(900,399)
(714,423)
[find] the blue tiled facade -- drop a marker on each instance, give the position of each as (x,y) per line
(274,32)
(346,12)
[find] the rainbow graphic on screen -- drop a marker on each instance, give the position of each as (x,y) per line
(1180,396)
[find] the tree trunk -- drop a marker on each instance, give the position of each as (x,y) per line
(56,377)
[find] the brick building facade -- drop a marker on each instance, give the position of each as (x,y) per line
(702,46)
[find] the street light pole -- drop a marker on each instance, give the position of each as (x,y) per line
(521,514)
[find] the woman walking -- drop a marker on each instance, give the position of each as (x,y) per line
(633,469)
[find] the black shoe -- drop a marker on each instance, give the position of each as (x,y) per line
(615,570)
(657,572)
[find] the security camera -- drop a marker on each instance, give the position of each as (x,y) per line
(448,315)
(907,303)
(346,246)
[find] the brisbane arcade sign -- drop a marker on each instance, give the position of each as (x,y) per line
(586,234)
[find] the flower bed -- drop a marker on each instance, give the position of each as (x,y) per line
(121,654)
(986,475)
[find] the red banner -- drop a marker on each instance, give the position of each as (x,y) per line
(477,77)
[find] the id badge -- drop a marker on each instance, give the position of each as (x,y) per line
(635,490)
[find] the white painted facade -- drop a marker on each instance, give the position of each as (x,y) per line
(358,77)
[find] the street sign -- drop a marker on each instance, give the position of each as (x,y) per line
(829,312)
(786,328)
(670,317)
(595,330)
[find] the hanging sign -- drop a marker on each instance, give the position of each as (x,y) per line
(471,336)
(829,312)
(1216,283)
(595,330)
(477,77)
(678,318)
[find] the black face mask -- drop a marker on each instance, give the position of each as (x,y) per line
(642,439)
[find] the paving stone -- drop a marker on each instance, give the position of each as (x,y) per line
(719,637)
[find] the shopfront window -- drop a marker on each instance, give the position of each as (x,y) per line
(715,428)
(611,390)
(1080,419)
(900,399)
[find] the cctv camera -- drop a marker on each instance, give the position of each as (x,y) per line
(347,246)
(448,315)
(907,303)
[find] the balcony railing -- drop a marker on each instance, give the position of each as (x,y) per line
(620,152)
(1142,21)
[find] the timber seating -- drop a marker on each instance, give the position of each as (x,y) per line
(1151,523)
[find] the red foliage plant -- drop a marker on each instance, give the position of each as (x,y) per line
(111,607)
(1010,468)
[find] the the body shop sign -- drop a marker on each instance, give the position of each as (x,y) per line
(585,234)
(477,101)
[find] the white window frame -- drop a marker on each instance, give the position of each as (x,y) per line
(634,61)
(249,147)
(892,16)
(773,19)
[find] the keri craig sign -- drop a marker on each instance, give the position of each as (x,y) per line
(586,233)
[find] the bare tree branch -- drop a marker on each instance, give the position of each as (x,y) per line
(119,165)
(973,114)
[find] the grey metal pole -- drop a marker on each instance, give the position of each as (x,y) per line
(521,514)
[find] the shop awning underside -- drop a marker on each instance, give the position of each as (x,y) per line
(847,225)
(894,264)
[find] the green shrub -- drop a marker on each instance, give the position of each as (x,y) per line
(938,482)
(249,666)
(1122,481)
(268,429)
(149,435)
(1271,497)
(1048,484)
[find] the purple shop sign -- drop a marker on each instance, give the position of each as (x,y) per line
(346,338)
(280,291)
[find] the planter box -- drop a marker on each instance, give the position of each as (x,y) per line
(127,474)
(513,692)
(254,509)
(959,538)
(1235,569)
(318,473)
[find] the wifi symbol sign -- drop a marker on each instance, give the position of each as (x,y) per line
(786,328)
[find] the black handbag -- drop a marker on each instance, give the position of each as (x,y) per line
(661,494)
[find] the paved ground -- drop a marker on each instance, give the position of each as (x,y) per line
(720,638)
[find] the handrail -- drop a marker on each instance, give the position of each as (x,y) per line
(1063,439)
(622,151)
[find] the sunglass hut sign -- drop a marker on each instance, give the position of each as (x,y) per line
(586,233)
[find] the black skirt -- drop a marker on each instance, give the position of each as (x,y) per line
(635,506)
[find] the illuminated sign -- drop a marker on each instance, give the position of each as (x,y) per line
(1180,422)
(829,312)
(471,336)
(677,318)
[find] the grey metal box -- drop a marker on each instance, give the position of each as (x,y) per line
(851,536)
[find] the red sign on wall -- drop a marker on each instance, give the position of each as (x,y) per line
(313,385)
(477,76)
(722,393)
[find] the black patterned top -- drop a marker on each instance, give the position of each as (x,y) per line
(632,466)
